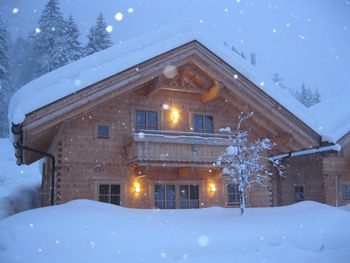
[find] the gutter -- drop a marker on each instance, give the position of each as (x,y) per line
(335,148)
(18,144)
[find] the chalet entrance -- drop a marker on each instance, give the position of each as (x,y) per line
(171,196)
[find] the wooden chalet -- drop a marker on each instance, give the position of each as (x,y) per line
(147,137)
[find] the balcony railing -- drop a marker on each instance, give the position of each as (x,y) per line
(176,148)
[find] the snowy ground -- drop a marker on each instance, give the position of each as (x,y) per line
(19,185)
(89,231)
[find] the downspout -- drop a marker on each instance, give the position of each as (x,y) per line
(18,144)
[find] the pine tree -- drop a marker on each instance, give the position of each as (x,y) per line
(98,38)
(75,50)
(5,85)
(308,97)
(278,80)
(49,42)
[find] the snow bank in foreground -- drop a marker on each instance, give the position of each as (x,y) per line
(89,231)
(19,185)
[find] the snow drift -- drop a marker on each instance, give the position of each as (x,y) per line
(89,231)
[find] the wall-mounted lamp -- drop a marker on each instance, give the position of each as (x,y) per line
(137,189)
(175,115)
(212,188)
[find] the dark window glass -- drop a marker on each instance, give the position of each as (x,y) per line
(165,196)
(232,194)
(346,191)
(109,193)
(103,131)
(203,123)
(299,193)
(146,120)
(198,123)
(189,196)
(208,124)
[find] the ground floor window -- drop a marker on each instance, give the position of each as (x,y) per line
(165,196)
(189,196)
(346,191)
(232,194)
(299,193)
(109,193)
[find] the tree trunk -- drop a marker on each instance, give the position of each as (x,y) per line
(242,201)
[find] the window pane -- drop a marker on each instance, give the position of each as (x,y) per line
(170,192)
(140,120)
(184,204)
(198,123)
(103,198)
(346,191)
(184,192)
(299,193)
(159,204)
(170,204)
(152,120)
(115,189)
(232,194)
(104,189)
(208,124)
(194,192)
(115,199)
(194,204)
(103,131)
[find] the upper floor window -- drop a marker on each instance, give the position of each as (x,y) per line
(109,193)
(146,120)
(232,194)
(346,191)
(103,131)
(299,193)
(203,123)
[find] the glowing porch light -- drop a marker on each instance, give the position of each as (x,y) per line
(137,188)
(212,188)
(175,115)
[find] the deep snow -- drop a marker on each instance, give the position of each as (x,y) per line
(89,231)
(19,185)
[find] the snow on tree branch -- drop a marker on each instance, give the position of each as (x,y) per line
(246,163)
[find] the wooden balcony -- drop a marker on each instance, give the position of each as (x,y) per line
(175,148)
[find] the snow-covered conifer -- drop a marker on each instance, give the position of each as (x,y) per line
(75,50)
(98,38)
(5,84)
(245,163)
(49,40)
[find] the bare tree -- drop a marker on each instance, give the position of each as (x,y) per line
(244,162)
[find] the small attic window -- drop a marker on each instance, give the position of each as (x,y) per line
(103,131)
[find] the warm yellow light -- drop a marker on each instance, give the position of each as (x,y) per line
(212,188)
(137,188)
(175,115)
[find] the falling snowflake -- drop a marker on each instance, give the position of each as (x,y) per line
(119,16)
(203,241)
(163,255)
(170,71)
(130,10)
(201,21)
(274,30)
(262,83)
(302,37)
(235,76)
(109,29)
(15,10)
(37,30)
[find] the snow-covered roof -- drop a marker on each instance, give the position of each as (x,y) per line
(94,68)
(334,116)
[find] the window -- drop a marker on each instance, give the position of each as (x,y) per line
(146,120)
(203,123)
(103,131)
(165,196)
(109,193)
(346,191)
(299,193)
(189,196)
(233,194)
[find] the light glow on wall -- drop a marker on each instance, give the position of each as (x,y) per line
(175,115)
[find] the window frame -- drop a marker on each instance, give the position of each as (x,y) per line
(109,195)
(297,193)
(235,194)
(203,117)
(346,191)
(98,130)
(165,200)
(147,125)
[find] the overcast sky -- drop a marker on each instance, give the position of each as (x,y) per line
(303,40)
